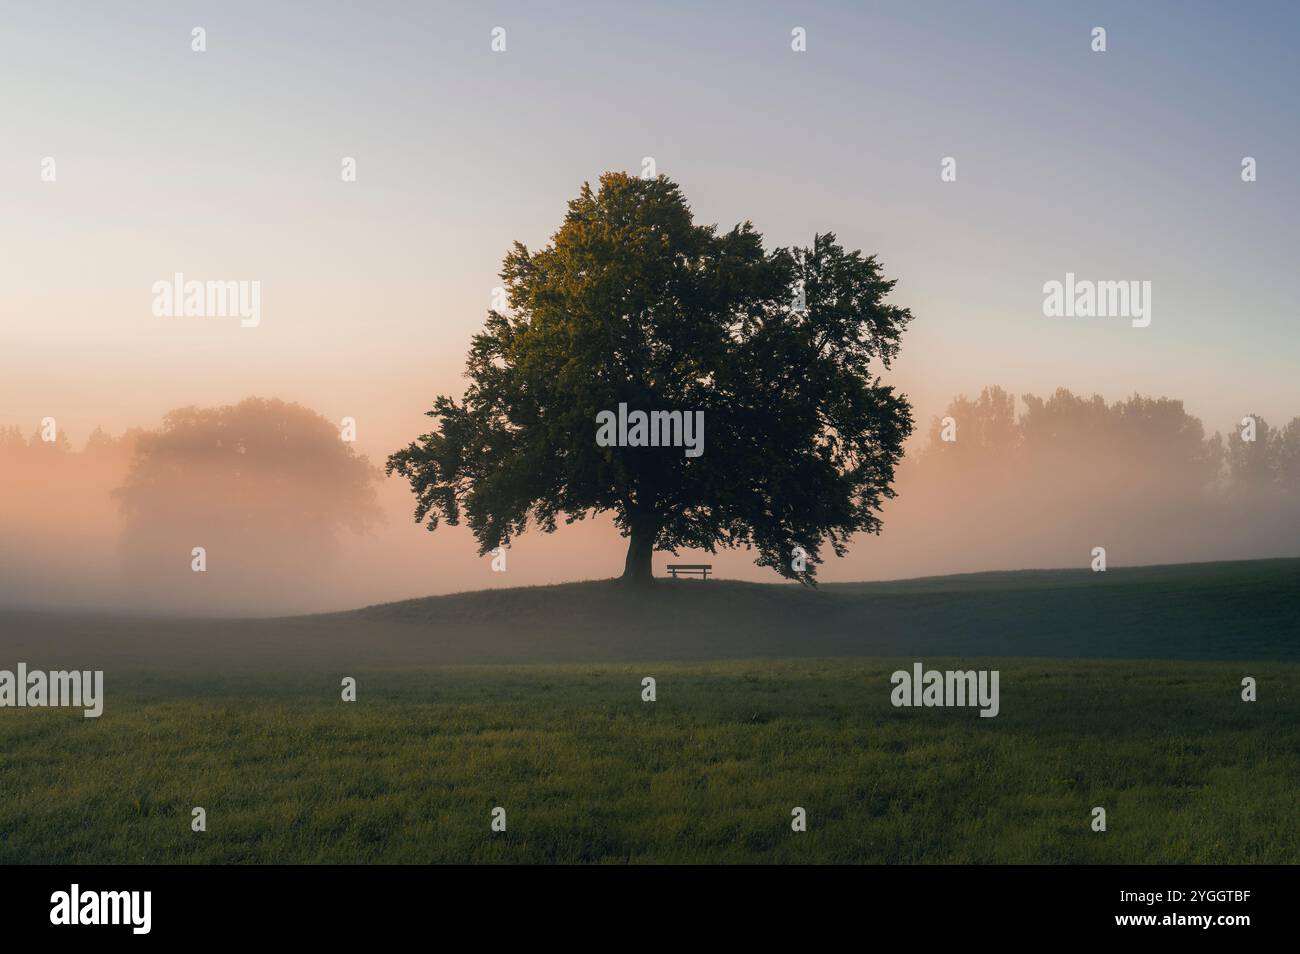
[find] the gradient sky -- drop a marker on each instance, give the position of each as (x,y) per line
(225,165)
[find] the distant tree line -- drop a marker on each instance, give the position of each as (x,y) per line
(1153,440)
(1037,482)
(265,487)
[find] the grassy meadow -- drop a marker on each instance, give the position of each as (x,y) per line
(245,719)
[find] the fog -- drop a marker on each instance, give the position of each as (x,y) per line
(292,519)
(1040,482)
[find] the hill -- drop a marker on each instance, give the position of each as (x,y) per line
(1209,611)
(246,718)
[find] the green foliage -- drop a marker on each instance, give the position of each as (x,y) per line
(634,303)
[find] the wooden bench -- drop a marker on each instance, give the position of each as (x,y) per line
(688,569)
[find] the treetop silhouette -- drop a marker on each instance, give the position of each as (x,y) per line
(633,303)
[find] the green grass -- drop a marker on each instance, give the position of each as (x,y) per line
(1119,690)
(589,773)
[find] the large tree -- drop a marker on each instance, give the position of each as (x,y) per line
(633,303)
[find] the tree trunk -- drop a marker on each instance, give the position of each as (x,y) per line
(640,552)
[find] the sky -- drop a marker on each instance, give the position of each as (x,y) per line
(225,164)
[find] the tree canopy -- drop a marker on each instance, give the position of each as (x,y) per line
(633,303)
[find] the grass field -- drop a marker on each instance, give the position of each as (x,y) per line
(245,719)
